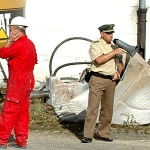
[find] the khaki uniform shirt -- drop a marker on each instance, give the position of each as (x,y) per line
(98,48)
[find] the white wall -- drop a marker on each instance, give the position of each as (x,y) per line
(52,21)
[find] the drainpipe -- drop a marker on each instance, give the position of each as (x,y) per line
(141,27)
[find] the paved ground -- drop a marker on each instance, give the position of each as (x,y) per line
(70,141)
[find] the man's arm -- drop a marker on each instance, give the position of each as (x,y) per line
(106,57)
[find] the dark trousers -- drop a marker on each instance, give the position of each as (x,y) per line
(101,93)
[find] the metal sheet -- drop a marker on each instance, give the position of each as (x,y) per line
(131,97)
(132,94)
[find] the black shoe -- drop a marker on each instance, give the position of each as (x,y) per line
(3,147)
(17,146)
(86,140)
(104,139)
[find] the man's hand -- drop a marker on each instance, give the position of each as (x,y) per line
(118,51)
(116,76)
(13,35)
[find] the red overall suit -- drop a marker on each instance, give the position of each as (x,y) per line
(21,57)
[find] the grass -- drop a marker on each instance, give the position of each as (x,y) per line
(142,129)
(43,117)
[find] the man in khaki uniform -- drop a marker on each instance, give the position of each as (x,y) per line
(105,73)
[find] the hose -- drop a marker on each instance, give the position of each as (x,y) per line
(64,41)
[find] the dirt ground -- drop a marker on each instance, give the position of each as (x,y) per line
(48,132)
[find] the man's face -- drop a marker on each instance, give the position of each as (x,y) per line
(107,36)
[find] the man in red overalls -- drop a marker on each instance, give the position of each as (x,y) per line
(20,53)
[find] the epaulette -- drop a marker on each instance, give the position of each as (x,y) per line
(96,41)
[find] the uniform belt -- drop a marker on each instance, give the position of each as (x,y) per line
(97,74)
